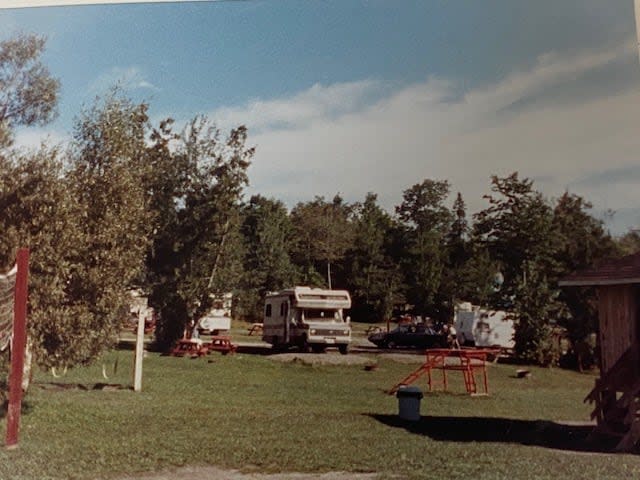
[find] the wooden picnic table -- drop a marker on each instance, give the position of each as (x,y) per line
(189,346)
(221,343)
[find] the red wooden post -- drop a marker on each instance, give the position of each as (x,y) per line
(18,345)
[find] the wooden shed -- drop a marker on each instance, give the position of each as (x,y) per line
(617,392)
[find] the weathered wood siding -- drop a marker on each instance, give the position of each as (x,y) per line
(618,314)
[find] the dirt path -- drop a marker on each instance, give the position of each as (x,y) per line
(330,358)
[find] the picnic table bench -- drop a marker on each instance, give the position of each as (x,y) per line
(193,347)
(221,343)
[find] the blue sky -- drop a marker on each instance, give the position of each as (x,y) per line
(352,96)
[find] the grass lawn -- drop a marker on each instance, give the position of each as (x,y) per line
(248,412)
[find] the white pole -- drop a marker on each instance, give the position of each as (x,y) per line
(137,374)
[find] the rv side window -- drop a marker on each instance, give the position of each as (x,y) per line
(267,310)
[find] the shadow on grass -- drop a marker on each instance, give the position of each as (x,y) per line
(62,386)
(25,408)
(539,433)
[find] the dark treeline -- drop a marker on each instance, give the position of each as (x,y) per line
(161,208)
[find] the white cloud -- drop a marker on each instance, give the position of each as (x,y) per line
(130,78)
(317,103)
(325,140)
(364,136)
(33,137)
(551,68)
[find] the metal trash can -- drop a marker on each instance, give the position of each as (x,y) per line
(409,403)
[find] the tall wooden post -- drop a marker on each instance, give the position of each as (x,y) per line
(137,373)
(18,345)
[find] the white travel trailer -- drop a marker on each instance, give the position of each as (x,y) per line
(310,318)
(484,328)
(218,318)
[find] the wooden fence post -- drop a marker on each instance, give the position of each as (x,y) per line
(18,345)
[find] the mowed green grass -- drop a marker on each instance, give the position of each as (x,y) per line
(248,412)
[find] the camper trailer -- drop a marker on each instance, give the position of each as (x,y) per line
(218,318)
(484,328)
(309,318)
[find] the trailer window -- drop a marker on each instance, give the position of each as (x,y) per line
(267,310)
(283,309)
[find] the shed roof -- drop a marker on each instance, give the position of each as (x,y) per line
(618,271)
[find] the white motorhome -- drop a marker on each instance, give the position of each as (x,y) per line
(484,328)
(310,318)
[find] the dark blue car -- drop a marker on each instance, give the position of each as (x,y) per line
(411,335)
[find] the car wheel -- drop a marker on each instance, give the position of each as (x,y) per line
(343,349)
(391,344)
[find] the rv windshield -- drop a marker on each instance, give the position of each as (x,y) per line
(321,314)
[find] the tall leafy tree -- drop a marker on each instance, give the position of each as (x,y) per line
(374,278)
(458,235)
(517,227)
(106,176)
(534,306)
(197,247)
(457,252)
(475,280)
(322,233)
(629,242)
(40,211)
(28,92)
(582,242)
(267,234)
(425,221)
(518,230)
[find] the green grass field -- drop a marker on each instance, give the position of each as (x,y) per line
(251,413)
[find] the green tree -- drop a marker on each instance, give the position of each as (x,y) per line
(40,211)
(425,221)
(197,245)
(534,307)
(476,278)
(267,234)
(458,235)
(582,242)
(374,278)
(629,242)
(107,163)
(516,228)
(28,93)
(322,233)
(457,253)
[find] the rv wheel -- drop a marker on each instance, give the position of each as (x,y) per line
(276,346)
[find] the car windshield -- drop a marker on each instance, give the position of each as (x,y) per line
(321,314)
